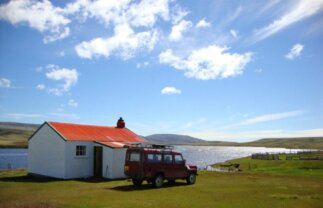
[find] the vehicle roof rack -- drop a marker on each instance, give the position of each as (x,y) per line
(152,146)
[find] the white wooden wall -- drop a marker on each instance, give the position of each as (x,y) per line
(113,162)
(78,166)
(46,153)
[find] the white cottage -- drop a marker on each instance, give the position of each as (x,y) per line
(64,150)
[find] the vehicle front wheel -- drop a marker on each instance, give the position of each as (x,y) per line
(191,178)
(158,181)
(136,182)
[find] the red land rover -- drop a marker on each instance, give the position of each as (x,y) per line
(156,163)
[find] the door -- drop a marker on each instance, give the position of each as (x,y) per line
(180,169)
(97,162)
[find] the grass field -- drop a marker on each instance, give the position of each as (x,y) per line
(279,167)
(290,184)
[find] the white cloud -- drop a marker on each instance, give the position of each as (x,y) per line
(232,16)
(62,53)
(39,69)
(39,15)
(259,70)
(170,90)
(202,24)
(5,83)
(271,117)
(53,21)
(234,33)
(269,5)
(24,115)
(68,76)
(178,14)
(300,10)
(191,124)
(143,13)
(72,103)
(178,30)
(208,63)
(295,51)
(124,43)
(146,12)
(65,115)
(40,86)
(142,65)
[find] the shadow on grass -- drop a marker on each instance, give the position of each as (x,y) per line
(143,187)
(29,179)
(96,180)
(42,179)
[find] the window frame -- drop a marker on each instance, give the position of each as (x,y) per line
(171,161)
(158,157)
(80,151)
(179,162)
(136,159)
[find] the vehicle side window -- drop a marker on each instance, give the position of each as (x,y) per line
(168,159)
(154,158)
(179,159)
(134,157)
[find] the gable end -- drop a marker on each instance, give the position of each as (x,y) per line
(60,135)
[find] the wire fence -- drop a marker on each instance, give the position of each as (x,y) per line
(299,155)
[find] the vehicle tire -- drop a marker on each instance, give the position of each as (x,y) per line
(158,181)
(136,182)
(191,178)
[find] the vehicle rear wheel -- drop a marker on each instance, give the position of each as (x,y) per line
(136,182)
(191,178)
(158,181)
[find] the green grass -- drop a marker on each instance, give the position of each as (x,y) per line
(279,167)
(239,189)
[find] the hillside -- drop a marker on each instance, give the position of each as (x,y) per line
(301,143)
(16,135)
(18,126)
(173,139)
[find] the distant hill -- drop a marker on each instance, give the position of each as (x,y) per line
(173,139)
(292,143)
(17,134)
(18,126)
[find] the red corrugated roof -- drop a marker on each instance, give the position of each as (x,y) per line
(113,144)
(101,134)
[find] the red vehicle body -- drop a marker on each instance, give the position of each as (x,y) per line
(156,163)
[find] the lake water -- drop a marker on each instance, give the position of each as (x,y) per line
(199,155)
(203,156)
(13,158)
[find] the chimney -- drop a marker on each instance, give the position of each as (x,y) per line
(121,124)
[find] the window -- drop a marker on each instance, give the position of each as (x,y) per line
(168,159)
(135,157)
(179,159)
(154,158)
(80,150)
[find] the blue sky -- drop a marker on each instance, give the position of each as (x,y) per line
(216,70)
